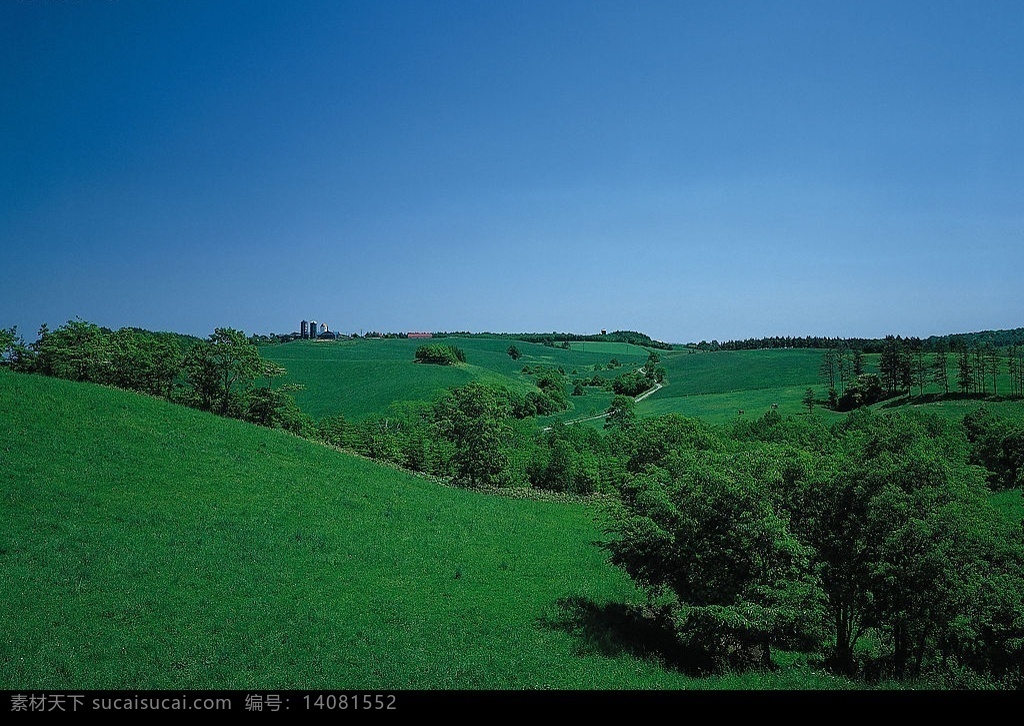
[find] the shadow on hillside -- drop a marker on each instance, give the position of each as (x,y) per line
(905,400)
(615,629)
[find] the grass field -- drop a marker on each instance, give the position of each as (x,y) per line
(361,378)
(144,545)
(731,371)
(716,386)
(621,351)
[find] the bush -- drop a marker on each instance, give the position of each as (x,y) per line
(631,384)
(442,355)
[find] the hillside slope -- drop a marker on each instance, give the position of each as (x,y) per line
(144,545)
(361,378)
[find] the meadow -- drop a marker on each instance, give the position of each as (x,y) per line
(146,545)
(361,378)
(149,545)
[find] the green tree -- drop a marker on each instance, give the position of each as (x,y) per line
(918,367)
(711,542)
(858,363)
(76,351)
(845,366)
(833,399)
(829,367)
(808,399)
(965,371)
(220,368)
(7,338)
(651,366)
(992,365)
(140,361)
(475,419)
(513,353)
(894,365)
(904,539)
(631,384)
(14,354)
(333,430)
(940,369)
(437,354)
(862,391)
(621,414)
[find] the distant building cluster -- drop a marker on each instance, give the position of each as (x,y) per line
(420,335)
(309,330)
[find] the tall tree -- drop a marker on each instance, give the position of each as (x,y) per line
(622,413)
(919,369)
(76,351)
(808,399)
(980,369)
(894,365)
(965,371)
(14,354)
(475,419)
(1015,367)
(844,367)
(905,536)
(858,363)
(992,366)
(220,368)
(940,370)
(829,367)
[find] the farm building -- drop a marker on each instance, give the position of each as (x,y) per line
(313,330)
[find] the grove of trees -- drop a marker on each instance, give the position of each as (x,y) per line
(906,367)
(223,373)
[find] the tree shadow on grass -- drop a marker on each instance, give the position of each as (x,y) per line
(904,400)
(614,629)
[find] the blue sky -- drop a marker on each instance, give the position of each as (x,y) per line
(693,170)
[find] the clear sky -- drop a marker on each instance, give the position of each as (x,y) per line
(693,170)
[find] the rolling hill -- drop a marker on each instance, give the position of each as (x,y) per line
(361,378)
(145,545)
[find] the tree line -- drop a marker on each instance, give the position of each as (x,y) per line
(931,344)
(223,373)
(631,337)
(905,366)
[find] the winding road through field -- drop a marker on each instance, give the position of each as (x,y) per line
(638,399)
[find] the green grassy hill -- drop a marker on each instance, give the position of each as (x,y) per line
(144,545)
(362,377)
(715,386)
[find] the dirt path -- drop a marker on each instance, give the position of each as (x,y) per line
(638,399)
